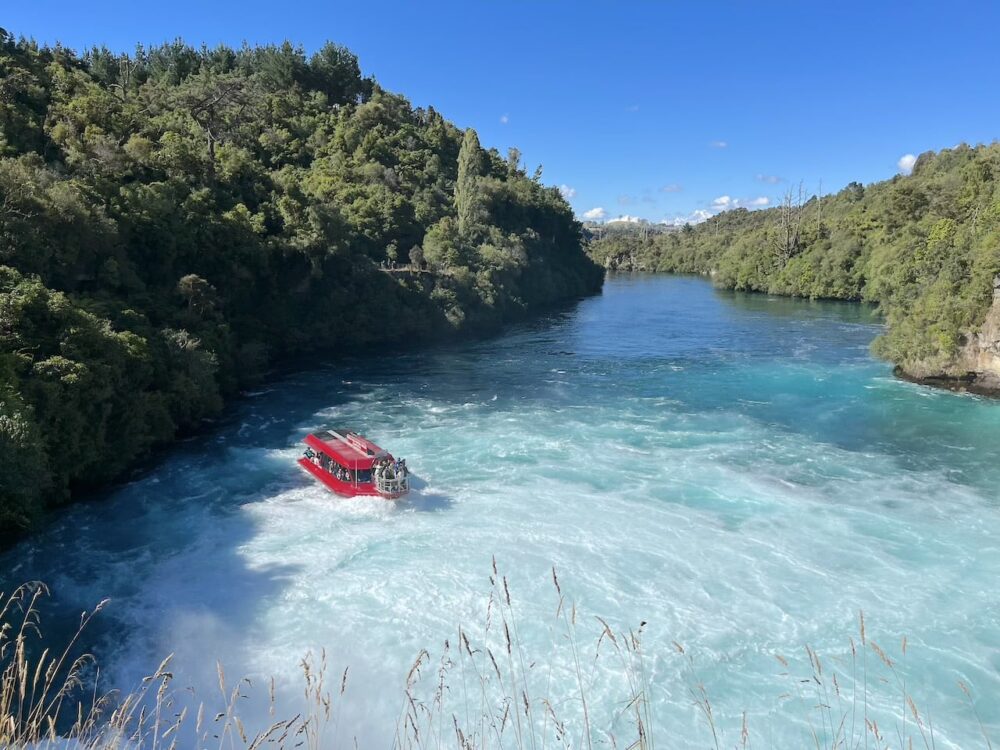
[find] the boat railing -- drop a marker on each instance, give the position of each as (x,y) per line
(391,483)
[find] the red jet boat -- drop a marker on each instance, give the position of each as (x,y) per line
(352,465)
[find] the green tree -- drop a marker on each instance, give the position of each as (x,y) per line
(468,186)
(200,296)
(23,470)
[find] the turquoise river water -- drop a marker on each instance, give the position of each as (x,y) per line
(736,471)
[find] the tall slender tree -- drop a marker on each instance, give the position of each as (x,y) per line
(468,188)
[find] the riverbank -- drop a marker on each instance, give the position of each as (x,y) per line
(925,247)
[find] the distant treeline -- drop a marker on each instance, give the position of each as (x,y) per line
(925,247)
(175,219)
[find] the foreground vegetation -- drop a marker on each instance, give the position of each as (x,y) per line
(174,220)
(484,689)
(925,247)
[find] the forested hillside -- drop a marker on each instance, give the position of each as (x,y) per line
(174,220)
(925,247)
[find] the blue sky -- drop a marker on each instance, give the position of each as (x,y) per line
(651,108)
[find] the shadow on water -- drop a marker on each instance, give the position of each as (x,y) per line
(172,537)
(165,565)
(424,501)
(430,503)
(846,311)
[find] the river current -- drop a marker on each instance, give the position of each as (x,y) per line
(736,471)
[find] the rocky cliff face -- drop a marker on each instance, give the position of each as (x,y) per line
(981,353)
(976,366)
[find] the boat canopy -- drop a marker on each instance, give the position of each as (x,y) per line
(346,448)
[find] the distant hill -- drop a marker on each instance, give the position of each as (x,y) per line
(641,229)
(925,247)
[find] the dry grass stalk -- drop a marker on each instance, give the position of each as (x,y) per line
(44,702)
(46,698)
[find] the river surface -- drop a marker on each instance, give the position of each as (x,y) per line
(736,471)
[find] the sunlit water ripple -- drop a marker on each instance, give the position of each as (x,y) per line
(734,470)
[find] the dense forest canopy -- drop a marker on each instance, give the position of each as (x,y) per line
(925,247)
(175,219)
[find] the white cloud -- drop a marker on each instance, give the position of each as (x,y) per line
(626,219)
(695,217)
(567,191)
(595,214)
(671,188)
(770,179)
(504,119)
(718,205)
(725,203)
(718,144)
(906,162)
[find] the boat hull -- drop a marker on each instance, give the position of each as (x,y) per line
(345,489)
